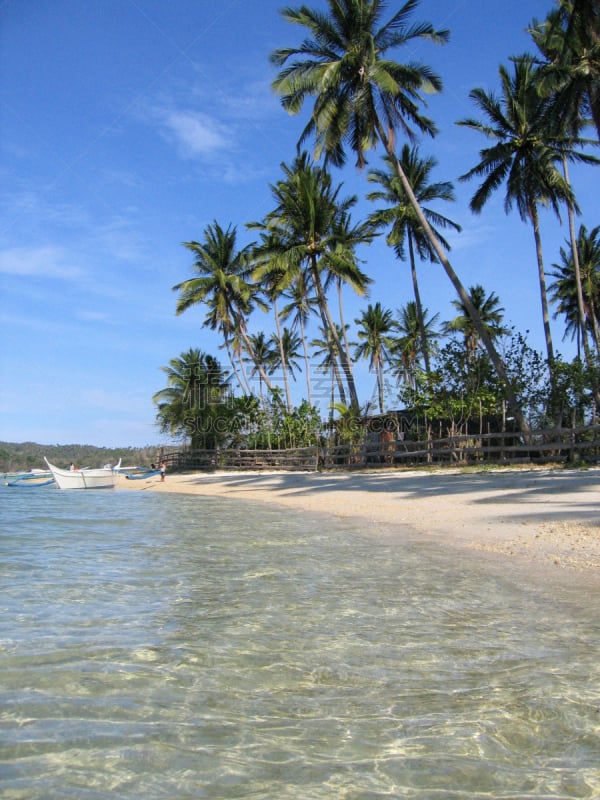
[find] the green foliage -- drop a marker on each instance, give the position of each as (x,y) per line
(302,427)
(277,429)
(195,402)
(347,425)
(462,386)
(574,396)
(21,457)
(570,401)
(528,371)
(490,313)
(563,291)
(346,66)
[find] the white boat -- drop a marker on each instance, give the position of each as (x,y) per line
(101,478)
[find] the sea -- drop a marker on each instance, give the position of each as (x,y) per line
(169,647)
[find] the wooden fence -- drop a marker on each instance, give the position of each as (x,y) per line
(568,445)
(562,445)
(297,459)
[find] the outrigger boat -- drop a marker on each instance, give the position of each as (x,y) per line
(102,478)
(139,473)
(31,480)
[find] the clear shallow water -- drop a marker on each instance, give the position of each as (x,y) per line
(167,646)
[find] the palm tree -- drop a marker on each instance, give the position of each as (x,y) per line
(223,285)
(195,391)
(347,237)
(348,428)
(409,342)
(362,98)
(572,73)
(303,231)
(490,313)
(273,280)
(375,327)
(567,93)
(288,347)
(236,352)
(400,216)
(524,155)
(299,309)
(564,292)
(326,348)
(261,353)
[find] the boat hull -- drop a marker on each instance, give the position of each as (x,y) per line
(102,478)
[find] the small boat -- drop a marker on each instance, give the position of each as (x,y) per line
(139,473)
(31,480)
(102,478)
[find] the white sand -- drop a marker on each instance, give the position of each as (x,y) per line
(548,517)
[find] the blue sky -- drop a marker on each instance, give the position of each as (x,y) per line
(127,126)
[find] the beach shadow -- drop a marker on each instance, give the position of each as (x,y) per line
(522,489)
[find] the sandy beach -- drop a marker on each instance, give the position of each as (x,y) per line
(545,517)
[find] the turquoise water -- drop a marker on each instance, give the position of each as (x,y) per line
(168,646)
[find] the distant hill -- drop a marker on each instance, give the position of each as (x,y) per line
(29,455)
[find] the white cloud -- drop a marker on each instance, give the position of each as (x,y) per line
(120,239)
(196,133)
(41,208)
(46,261)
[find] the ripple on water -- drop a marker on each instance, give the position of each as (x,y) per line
(180,647)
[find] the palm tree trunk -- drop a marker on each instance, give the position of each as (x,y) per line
(286,382)
(460,289)
(420,317)
(243,384)
(554,410)
(533,215)
(329,324)
(243,371)
(380,384)
(342,321)
(306,362)
(577,268)
(338,378)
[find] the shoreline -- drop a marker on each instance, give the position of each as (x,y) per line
(548,518)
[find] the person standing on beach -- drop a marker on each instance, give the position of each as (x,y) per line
(163,469)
